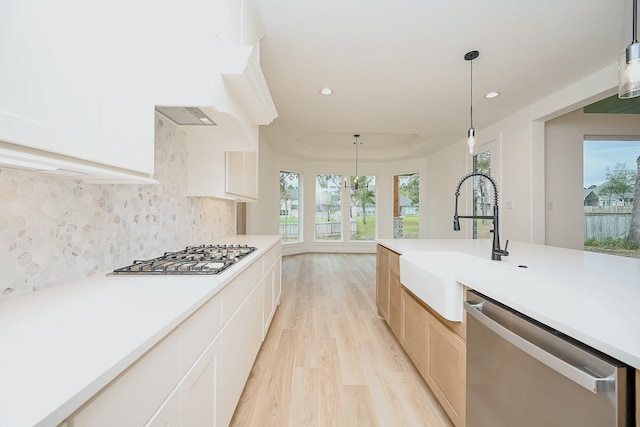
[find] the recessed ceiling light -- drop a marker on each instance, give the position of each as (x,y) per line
(491,95)
(326,91)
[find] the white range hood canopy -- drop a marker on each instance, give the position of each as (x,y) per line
(239,104)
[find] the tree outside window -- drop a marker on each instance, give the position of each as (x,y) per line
(362,211)
(290,229)
(328,221)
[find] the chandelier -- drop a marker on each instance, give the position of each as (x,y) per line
(356,178)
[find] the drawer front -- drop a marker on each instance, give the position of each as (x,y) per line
(199,330)
(133,397)
(238,290)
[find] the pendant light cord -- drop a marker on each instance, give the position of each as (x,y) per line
(471,95)
(635,21)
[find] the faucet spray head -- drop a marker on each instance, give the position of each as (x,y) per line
(456,223)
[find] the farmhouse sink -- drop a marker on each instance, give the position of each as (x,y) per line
(430,277)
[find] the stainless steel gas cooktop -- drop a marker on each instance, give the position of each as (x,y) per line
(194,260)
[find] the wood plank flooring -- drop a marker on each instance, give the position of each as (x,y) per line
(328,360)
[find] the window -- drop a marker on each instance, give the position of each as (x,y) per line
(290,208)
(362,211)
(610,172)
(328,221)
(482,196)
(406,198)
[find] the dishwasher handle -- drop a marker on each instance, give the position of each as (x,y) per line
(573,373)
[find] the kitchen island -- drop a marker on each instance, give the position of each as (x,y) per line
(63,346)
(588,296)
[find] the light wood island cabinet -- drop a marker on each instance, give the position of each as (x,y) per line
(382,282)
(388,287)
(435,345)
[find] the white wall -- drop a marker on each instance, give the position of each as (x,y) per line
(519,142)
(521,147)
(263,216)
(564,169)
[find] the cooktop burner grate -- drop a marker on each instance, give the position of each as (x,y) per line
(194,260)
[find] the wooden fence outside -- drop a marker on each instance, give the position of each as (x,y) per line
(601,226)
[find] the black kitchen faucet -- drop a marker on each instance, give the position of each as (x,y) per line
(496,252)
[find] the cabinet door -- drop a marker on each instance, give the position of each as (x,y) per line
(169,413)
(242,337)
(394,293)
(277,277)
(135,396)
(235,172)
(120,134)
(382,282)
(414,330)
(268,300)
(41,55)
(242,173)
(199,390)
(251,174)
(118,107)
(446,369)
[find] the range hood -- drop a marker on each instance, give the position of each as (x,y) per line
(186,116)
(238,102)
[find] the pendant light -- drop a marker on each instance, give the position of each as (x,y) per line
(471,133)
(629,77)
(354,183)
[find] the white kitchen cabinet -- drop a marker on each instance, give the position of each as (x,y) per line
(169,413)
(199,390)
(272,283)
(41,99)
(241,340)
(212,172)
(73,102)
(133,397)
(242,174)
(195,375)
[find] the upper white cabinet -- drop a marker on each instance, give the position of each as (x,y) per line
(222,174)
(73,101)
(79,89)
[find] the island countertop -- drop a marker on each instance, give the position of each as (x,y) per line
(589,296)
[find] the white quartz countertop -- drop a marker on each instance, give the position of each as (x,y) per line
(61,345)
(588,296)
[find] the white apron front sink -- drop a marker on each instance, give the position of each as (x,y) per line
(431,277)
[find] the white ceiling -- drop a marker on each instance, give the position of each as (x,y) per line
(398,72)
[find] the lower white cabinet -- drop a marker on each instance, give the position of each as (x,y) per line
(241,340)
(196,374)
(199,390)
(133,397)
(272,289)
(169,413)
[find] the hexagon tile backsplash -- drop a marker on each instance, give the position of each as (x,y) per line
(57,229)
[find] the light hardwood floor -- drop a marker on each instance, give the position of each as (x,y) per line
(328,360)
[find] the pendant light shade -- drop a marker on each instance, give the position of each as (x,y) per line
(471,133)
(629,69)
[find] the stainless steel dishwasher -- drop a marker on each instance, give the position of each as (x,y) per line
(522,373)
